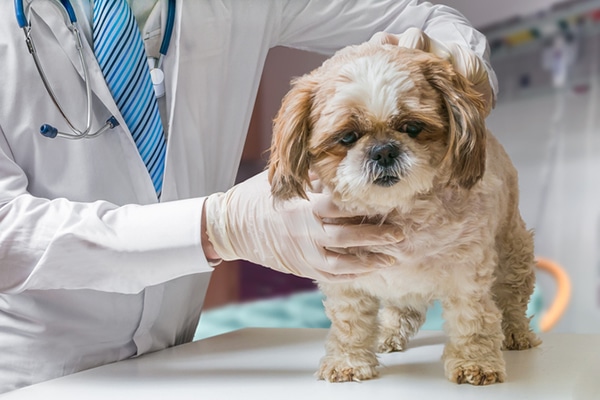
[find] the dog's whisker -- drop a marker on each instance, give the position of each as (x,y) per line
(398,169)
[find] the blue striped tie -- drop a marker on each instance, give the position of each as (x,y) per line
(120,52)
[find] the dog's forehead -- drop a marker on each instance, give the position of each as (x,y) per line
(374,83)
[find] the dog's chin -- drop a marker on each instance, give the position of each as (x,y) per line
(386,181)
(380,196)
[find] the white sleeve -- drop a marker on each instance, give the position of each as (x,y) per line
(61,244)
(327,25)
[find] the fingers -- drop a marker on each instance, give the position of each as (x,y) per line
(469,65)
(323,207)
(413,38)
(316,186)
(343,267)
(350,234)
(360,235)
(384,38)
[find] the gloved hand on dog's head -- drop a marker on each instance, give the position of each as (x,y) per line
(464,60)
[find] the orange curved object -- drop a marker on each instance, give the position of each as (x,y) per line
(563,293)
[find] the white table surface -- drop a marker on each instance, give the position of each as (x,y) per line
(263,363)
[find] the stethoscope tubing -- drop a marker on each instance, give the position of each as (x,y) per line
(166,42)
(22,19)
(70,18)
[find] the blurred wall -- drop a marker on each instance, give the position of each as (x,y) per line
(548,119)
(484,13)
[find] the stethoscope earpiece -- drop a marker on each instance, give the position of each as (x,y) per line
(48,131)
(51,132)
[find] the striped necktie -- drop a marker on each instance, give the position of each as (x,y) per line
(120,52)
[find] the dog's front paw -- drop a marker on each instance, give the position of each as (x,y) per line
(341,372)
(476,374)
(520,340)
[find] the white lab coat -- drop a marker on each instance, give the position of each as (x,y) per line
(92,270)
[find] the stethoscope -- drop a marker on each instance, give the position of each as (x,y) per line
(70,18)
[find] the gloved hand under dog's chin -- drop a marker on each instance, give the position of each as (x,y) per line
(293,236)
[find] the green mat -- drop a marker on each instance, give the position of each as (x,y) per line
(304,310)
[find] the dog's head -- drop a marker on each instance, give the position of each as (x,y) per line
(378,124)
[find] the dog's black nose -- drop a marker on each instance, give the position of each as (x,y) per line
(385,154)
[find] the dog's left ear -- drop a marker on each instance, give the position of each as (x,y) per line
(289,161)
(466,115)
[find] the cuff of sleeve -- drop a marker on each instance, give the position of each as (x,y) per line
(217,226)
(155,244)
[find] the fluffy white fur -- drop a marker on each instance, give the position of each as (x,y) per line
(450,186)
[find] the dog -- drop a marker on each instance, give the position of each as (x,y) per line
(398,136)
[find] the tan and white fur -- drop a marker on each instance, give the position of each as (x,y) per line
(397,136)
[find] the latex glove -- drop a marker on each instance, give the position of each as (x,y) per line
(291,237)
(465,61)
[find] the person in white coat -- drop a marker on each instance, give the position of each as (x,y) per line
(93,267)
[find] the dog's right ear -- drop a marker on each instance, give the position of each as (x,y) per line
(289,161)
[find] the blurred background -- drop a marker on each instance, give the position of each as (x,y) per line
(546,56)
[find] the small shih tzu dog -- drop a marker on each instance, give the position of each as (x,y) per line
(397,136)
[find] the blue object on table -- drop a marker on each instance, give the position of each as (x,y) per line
(305,310)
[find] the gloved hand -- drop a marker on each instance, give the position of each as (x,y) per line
(464,60)
(291,237)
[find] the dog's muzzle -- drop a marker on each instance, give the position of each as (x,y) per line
(385,164)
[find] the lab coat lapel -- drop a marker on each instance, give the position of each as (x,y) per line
(194,68)
(48,14)
(171,67)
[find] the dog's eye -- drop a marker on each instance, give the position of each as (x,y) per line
(348,138)
(412,128)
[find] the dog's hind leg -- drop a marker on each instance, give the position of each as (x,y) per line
(399,321)
(515,279)
(472,355)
